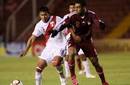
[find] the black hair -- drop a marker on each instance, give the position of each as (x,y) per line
(81,2)
(72,3)
(44,9)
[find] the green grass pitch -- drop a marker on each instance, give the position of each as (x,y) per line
(116,67)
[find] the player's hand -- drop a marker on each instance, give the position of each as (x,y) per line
(72,30)
(54,33)
(77,39)
(23,53)
(102,25)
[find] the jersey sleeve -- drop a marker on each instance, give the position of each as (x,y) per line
(59,22)
(95,20)
(38,31)
(58,19)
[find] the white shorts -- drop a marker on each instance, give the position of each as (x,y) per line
(80,52)
(50,51)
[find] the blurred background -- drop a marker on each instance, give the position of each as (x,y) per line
(18,18)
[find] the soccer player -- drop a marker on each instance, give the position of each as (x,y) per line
(81,25)
(54,46)
(80,54)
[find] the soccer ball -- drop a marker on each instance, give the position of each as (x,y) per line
(16,82)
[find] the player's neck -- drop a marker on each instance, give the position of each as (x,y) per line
(82,13)
(47,19)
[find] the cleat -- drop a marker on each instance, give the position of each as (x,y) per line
(90,76)
(105,83)
(81,72)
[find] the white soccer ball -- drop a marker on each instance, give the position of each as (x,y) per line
(16,82)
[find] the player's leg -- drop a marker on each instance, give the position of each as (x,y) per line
(71,63)
(67,72)
(44,59)
(91,52)
(85,64)
(57,62)
(81,71)
(99,69)
(38,73)
(78,61)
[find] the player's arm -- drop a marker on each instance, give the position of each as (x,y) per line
(76,38)
(95,20)
(65,22)
(62,26)
(29,43)
(102,25)
(98,23)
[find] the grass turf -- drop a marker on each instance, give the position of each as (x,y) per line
(116,67)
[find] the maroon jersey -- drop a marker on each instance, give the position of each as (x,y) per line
(84,24)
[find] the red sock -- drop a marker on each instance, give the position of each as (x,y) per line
(72,67)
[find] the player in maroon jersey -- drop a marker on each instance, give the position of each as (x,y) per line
(80,55)
(81,25)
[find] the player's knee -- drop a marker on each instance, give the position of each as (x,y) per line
(56,61)
(96,64)
(38,69)
(71,54)
(83,57)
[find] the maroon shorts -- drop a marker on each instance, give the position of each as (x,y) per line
(87,46)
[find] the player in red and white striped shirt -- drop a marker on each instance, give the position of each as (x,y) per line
(54,48)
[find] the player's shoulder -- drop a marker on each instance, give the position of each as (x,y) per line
(69,14)
(66,16)
(39,23)
(58,17)
(91,12)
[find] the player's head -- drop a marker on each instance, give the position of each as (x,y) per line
(71,7)
(79,6)
(44,13)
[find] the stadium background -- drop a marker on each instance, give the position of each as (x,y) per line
(18,18)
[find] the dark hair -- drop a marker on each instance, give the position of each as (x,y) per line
(81,2)
(44,9)
(72,3)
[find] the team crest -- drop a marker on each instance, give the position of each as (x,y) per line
(52,23)
(89,23)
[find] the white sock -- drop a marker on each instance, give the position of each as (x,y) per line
(38,78)
(86,67)
(66,68)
